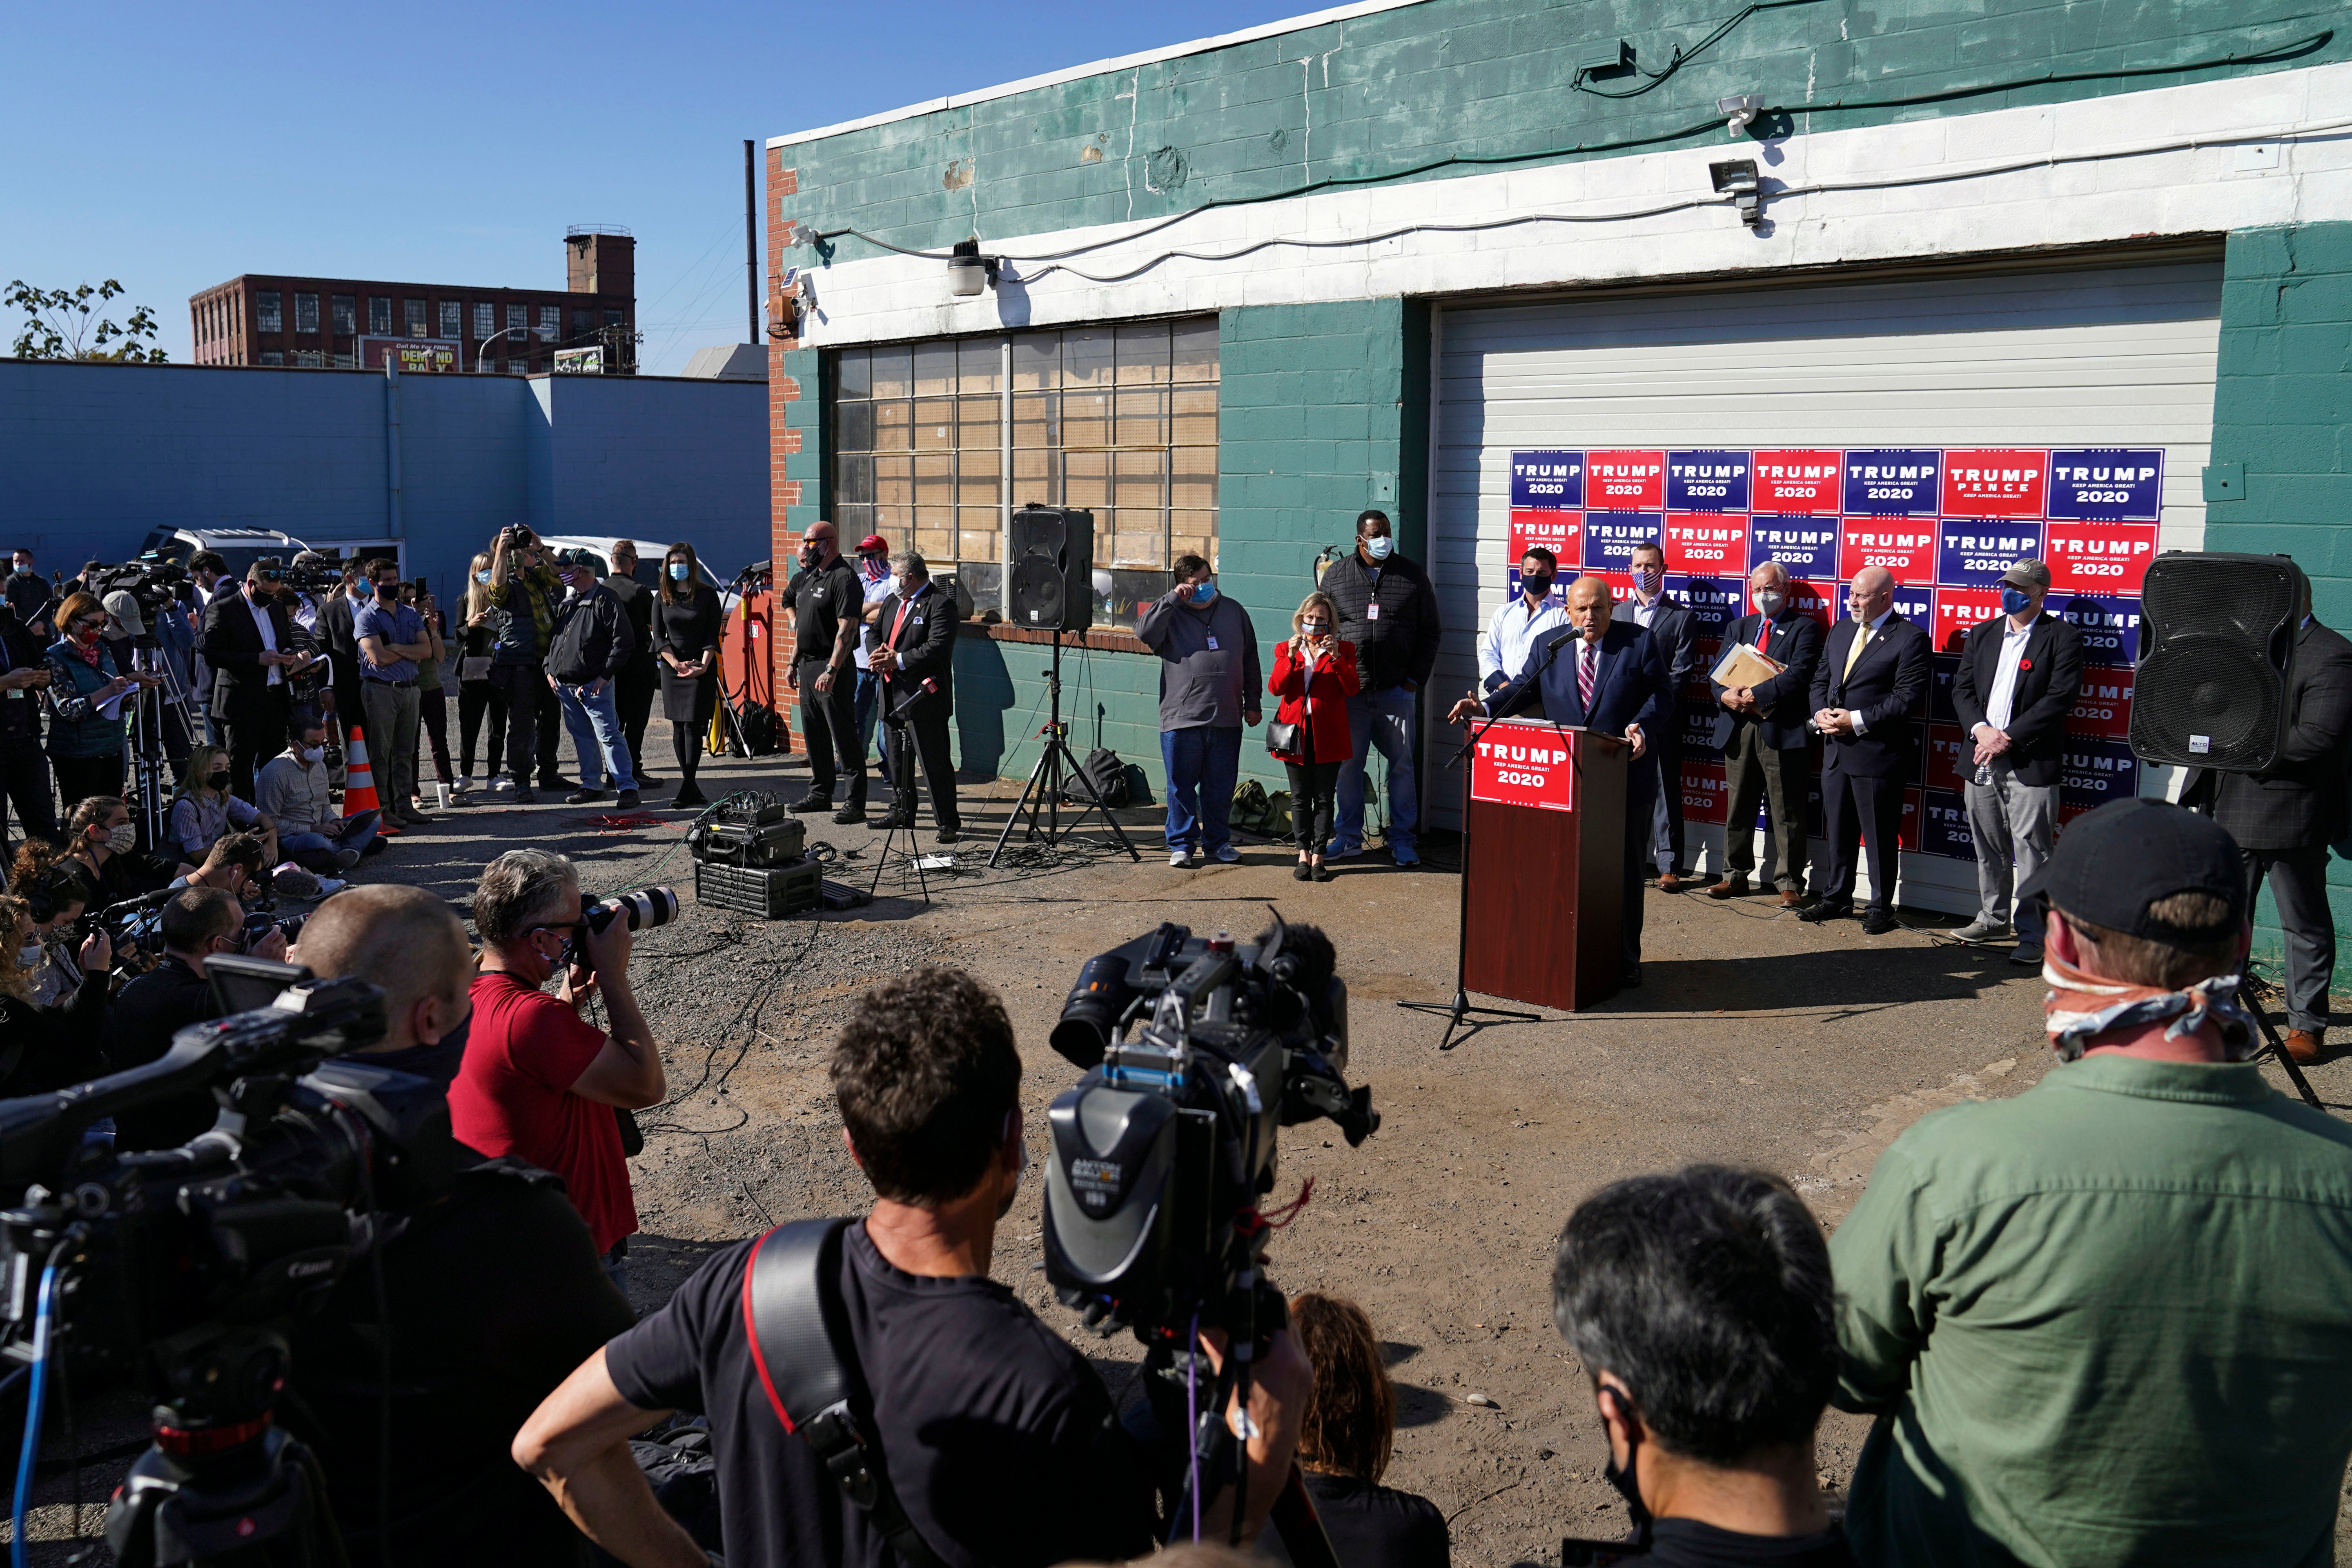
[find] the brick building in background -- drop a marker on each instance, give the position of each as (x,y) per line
(350,323)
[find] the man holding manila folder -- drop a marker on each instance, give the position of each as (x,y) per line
(1762,684)
(1608,678)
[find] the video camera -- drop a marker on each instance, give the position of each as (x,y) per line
(1197,1049)
(154,583)
(184,1266)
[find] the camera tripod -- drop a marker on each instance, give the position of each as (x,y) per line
(1056,768)
(150,771)
(898,737)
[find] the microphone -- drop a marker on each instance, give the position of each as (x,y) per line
(930,688)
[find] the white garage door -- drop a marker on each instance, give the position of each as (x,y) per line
(2113,355)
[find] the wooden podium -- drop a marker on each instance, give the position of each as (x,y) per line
(1544,864)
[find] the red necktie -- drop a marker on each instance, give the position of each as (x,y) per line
(1763,631)
(904,606)
(1585,663)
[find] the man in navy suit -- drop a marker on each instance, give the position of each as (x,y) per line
(1761,733)
(1871,680)
(1607,678)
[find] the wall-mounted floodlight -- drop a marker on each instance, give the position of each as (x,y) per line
(1739,112)
(799,234)
(1737,180)
(968,271)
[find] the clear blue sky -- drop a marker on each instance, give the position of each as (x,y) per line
(174,147)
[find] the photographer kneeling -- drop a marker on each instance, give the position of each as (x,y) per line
(197,923)
(43,1048)
(492,1293)
(1001,1441)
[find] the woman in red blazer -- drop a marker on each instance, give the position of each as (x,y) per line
(1314,675)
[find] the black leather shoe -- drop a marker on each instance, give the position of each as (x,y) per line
(1877,922)
(811,803)
(583,796)
(1629,979)
(1820,912)
(851,815)
(947,836)
(1302,872)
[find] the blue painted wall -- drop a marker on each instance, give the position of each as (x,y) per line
(93,457)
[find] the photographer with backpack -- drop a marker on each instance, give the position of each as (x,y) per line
(990,1439)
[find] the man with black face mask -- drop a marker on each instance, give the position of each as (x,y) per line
(828,603)
(1702,1308)
(1523,624)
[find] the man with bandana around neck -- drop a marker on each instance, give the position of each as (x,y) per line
(2109,1320)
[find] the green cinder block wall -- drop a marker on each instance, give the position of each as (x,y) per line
(2283,408)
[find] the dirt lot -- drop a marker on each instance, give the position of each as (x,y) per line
(1755,1040)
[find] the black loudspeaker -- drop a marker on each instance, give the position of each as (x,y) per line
(2217,634)
(1052,568)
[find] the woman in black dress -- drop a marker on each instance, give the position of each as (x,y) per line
(686,618)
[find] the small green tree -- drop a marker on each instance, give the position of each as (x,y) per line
(59,325)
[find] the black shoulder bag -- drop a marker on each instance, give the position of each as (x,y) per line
(801,1349)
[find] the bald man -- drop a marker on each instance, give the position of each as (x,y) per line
(493,1292)
(1870,683)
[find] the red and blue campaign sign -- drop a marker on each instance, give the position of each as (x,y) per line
(1807,546)
(2103,707)
(1812,599)
(1561,532)
(1695,729)
(1972,552)
(1995,481)
(1883,482)
(2099,557)
(1944,825)
(1913,603)
(2092,773)
(1942,670)
(1546,479)
(1706,481)
(2106,484)
(1906,826)
(1610,538)
(1958,610)
(1626,481)
(1715,602)
(1950,757)
(1798,480)
(1705,796)
(2110,627)
(1524,761)
(1707,543)
(1904,547)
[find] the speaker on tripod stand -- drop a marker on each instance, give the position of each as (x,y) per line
(1052,568)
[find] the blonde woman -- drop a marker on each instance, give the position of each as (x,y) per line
(203,809)
(44,1048)
(477,695)
(1314,675)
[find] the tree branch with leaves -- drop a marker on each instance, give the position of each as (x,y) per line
(60,325)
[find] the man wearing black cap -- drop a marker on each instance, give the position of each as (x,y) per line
(2110,1319)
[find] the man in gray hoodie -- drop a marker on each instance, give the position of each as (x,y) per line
(1209,686)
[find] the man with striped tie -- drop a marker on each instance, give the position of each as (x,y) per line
(1610,678)
(1872,678)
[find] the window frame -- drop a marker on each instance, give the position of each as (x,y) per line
(343,312)
(306,309)
(270,309)
(379,315)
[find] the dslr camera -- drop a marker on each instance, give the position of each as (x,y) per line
(184,1269)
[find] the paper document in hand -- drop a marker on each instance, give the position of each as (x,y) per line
(1743,666)
(112,706)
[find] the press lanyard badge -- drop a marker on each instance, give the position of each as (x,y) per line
(1371,612)
(1213,644)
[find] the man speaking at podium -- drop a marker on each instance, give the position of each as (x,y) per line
(1610,679)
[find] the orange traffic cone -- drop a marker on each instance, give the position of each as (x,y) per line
(359,783)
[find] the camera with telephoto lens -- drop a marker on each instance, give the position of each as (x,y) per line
(1198,1050)
(184,1269)
(646,907)
(153,583)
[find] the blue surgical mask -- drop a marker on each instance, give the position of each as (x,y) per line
(481,576)
(678,570)
(1204,592)
(1378,549)
(2014,600)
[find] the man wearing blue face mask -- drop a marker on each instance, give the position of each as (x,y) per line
(1209,686)
(1389,611)
(2019,679)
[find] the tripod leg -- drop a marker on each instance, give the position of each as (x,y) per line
(2278,1048)
(1036,775)
(1094,804)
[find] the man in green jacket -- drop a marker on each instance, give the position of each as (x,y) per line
(2110,1321)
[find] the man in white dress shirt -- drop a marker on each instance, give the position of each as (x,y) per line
(1523,625)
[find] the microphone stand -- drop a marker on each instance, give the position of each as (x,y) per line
(1460,1009)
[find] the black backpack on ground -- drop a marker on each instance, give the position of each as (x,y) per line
(1106,773)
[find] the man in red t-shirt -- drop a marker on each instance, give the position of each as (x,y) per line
(539,1083)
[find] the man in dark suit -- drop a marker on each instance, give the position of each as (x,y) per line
(249,639)
(1610,678)
(1675,631)
(1872,678)
(1761,733)
(2018,679)
(914,653)
(2285,819)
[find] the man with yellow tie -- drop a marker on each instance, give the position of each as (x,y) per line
(1871,680)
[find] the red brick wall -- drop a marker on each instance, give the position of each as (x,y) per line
(783,440)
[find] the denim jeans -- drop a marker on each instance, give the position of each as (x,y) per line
(868,704)
(595,725)
(355,833)
(1381,719)
(1204,765)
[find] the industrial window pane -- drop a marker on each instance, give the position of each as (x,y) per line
(415,312)
(1192,533)
(1193,348)
(1192,415)
(517,317)
(893,426)
(853,427)
(1142,350)
(379,315)
(551,322)
(895,524)
(1138,539)
(485,320)
(1086,420)
(934,479)
(1139,479)
(976,480)
(979,364)
(854,522)
(345,315)
(1036,362)
(268,311)
(584,322)
(934,423)
(1035,478)
(1086,481)
(893,480)
(1036,419)
(894,371)
(935,533)
(453,319)
(272,356)
(853,373)
(979,421)
(852,479)
(1142,418)
(979,531)
(935,369)
(305,312)
(1087,357)
(1192,476)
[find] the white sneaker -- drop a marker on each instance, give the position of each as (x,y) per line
(466,783)
(1228,853)
(500,781)
(330,885)
(1180,857)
